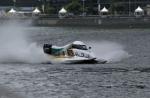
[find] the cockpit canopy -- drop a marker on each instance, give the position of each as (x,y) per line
(79,45)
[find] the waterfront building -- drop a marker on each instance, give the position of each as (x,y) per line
(19,3)
(104,12)
(139,12)
(148,10)
(124,7)
(121,7)
(62,13)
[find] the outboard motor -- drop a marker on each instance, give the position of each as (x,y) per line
(47,48)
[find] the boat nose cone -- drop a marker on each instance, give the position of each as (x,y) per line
(92,56)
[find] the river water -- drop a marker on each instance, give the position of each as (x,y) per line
(127,75)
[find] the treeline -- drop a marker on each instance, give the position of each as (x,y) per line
(91,6)
(78,6)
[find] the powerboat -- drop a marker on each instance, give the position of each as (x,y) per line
(75,52)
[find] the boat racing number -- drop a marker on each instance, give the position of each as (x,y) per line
(80,54)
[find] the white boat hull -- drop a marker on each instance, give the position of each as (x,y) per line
(78,60)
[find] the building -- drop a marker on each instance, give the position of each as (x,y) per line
(123,7)
(19,3)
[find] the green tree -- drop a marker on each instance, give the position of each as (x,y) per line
(115,6)
(49,9)
(74,7)
(90,7)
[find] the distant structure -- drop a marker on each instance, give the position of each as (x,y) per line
(36,11)
(12,11)
(20,3)
(104,12)
(148,10)
(124,7)
(62,13)
(139,12)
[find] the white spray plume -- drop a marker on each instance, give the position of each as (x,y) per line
(14,45)
(110,51)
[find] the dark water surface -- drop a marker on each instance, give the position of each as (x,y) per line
(128,78)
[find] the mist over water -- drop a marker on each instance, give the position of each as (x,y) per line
(128,78)
(110,51)
(15,45)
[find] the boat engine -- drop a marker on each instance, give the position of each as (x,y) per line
(47,48)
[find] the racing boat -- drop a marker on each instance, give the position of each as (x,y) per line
(75,52)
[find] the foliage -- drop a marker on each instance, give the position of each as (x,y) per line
(90,6)
(115,6)
(74,7)
(49,9)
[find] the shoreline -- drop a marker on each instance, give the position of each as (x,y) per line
(107,22)
(110,22)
